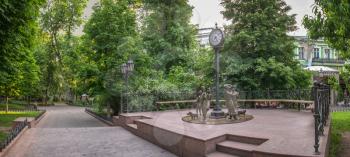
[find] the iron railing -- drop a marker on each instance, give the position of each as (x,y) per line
(293,94)
(13,134)
(328,60)
(340,109)
(321,95)
(145,102)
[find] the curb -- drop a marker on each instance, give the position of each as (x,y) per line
(40,118)
(13,142)
(100,119)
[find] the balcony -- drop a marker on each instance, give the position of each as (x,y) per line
(326,60)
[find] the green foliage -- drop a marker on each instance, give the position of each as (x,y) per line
(169,39)
(167,33)
(111,40)
(13,107)
(334,83)
(58,20)
(345,75)
(257,51)
(6,119)
(29,76)
(3,136)
(18,29)
(331,21)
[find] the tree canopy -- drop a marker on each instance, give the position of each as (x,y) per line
(331,21)
(257,50)
(18,23)
(42,57)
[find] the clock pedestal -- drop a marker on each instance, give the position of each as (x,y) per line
(217,114)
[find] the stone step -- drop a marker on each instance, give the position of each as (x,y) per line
(236,148)
(245,139)
(220,154)
(133,126)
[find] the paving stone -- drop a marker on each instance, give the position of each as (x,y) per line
(69,132)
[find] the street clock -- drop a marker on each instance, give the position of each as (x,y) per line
(216,37)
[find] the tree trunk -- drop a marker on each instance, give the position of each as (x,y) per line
(28,100)
(109,110)
(7,104)
(46,97)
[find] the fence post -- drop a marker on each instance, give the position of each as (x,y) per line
(121,103)
(316,116)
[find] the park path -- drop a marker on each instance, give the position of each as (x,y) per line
(68,131)
(345,152)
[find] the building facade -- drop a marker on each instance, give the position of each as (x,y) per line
(316,53)
(307,52)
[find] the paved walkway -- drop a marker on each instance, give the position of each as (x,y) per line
(345,152)
(67,131)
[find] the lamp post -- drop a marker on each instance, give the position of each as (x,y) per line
(216,40)
(127,69)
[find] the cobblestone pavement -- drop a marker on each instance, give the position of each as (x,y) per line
(69,132)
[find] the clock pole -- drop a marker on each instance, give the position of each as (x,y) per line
(217,113)
(217,73)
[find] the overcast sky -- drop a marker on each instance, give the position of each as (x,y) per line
(207,12)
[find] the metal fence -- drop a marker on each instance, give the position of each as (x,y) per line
(22,110)
(340,109)
(13,134)
(293,94)
(321,95)
(143,102)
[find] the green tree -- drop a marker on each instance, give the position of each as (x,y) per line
(167,32)
(29,77)
(58,19)
(169,39)
(330,21)
(258,52)
(111,36)
(18,26)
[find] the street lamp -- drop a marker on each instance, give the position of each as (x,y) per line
(127,69)
(216,40)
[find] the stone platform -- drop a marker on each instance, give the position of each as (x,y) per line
(272,133)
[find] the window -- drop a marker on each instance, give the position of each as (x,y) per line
(327,53)
(316,53)
(301,52)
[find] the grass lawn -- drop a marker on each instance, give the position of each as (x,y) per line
(6,119)
(340,124)
(3,135)
(13,107)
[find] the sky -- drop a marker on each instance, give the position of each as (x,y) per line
(207,12)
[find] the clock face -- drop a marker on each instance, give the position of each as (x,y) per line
(216,37)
